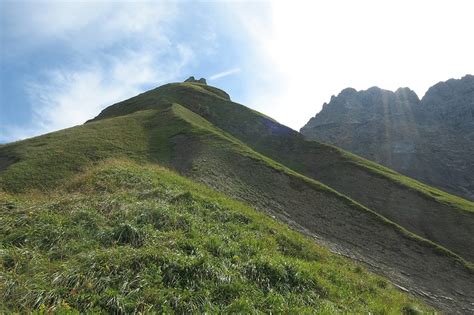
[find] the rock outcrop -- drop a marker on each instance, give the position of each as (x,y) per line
(193,80)
(431,139)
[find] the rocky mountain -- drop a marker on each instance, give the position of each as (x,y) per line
(431,140)
(103,213)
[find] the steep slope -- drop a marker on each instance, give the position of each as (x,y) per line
(154,128)
(423,210)
(431,140)
(126,238)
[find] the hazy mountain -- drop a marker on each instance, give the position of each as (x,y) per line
(118,230)
(431,139)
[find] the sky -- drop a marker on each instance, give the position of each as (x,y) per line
(62,62)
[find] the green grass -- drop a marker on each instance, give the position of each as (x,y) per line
(50,161)
(410,183)
(124,237)
(252,125)
(241,149)
(258,131)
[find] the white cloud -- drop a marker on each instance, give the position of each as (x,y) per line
(67,98)
(296,55)
(224,73)
(104,70)
(314,49)
(87,24)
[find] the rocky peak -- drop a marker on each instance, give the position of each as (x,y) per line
(451,102)
(407,94)
(352,106)
(443,92)
(374,97)
(347,92)
(193,80)
(431,139)
(447,88)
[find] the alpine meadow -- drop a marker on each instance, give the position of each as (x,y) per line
(236,157)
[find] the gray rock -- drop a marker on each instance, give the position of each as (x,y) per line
(193,80)
(431,140)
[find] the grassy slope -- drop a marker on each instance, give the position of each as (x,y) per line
(203,126)
(245,124)
(50,161)
(123,237)
(410,183)
(443,218)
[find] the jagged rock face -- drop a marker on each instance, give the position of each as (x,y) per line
(451,103)
(431,139)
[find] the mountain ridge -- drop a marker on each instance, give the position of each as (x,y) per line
(429,139)
(243,154)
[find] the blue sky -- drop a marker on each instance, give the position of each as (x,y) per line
(63,62)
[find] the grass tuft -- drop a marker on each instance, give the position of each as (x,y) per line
(130,238)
